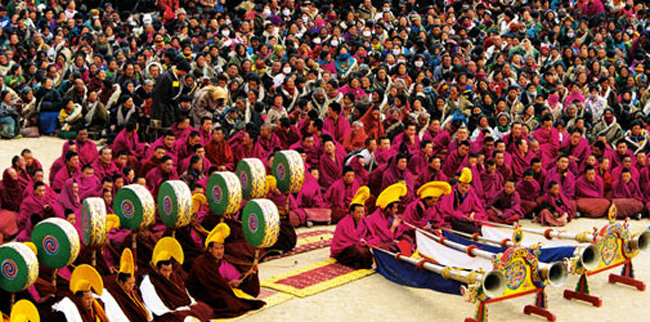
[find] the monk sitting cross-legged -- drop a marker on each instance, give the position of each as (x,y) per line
(590,195)
(349,244)
(505,206)
(462,207)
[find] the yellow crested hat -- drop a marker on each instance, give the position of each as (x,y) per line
(197,200)
(112,221)
(465,176)
(85,278)
(360,197)
(166,249)
(24,311)
(127,265)
(218,234)
(391,194)
(31,246)
(271,184)
(434,189)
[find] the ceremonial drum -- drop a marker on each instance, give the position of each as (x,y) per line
(261,223)
(224,193)
(19,266)
(252,175)
(93,222)
(289,171)
(135,207)
(175,204)
(57,242)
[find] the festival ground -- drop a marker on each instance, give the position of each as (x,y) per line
(374,298)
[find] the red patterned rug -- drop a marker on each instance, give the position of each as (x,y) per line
(307,241)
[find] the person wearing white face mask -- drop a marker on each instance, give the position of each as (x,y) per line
(334,42)
(367,34)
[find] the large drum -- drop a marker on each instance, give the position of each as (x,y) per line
(57,242)
(93,222)
(175,204)
(289,171)
(224,193)
(135,207)
(18,266)
(261,223)
(252,175)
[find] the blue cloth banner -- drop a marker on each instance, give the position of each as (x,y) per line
(408,275)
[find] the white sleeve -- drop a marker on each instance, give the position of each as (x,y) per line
(69,309)
(151,299)
(112,308)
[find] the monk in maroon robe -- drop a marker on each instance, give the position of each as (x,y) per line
(419,161)
(268,140)
(199,151)
(104,165)
(505,206)
(349,244)
(70,171)
(205,129)
(37,206)
(397,171)
(167,142)
(182,128)
(491,180)
(462,207)
(555,207)
(31,163)
(89,184)
(502,167)
(509,139)
(561,174)
(335,123)
(86,149)
(287,133)
(331,165)
(529,191)
(165,171)
(184,147)
(616,156)
(549,141)
(424,212)
(521,159)
(455,159)
(626,163)
(372,123)
(409,138)
(431,173)
(340,194)
(438,137)
(154,161)
(14,179)
(627,196)
(384,152)
(122,289)
(577,148)
(127,140)
(590,194)
(60,161)
(308,145)
(310,195)
(218,151)
(248,147)
(385,227)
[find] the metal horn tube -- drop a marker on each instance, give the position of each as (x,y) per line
(493,282)
(550,233)
(589,256)
(555,273)
(638,242)
(474,251)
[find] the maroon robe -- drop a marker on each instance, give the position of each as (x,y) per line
(170,151)
(549,145)
(616,173)
(156,177)
(173,293)
(505,170)
(287,139)
(89,187)
(418,162)
(553,206)
(220,154)
(131,144)
(627,198)
(349,243)
(131,304)
(418,214)
(510,142)
(379,229)
(504,208)
(13,189)
(242,152)
(339,196)
(590,197)
(185,164)
(452,163)
(181,134)
(456,208)
(615,159)
(330,170)
(520,163)
(87,152)
(428,175)
(566,181)
(62,176)
(413,147)
(580,152)
(33,205)
(102,170)
(310,195)
(392,175)
(493,183)
(440,140)
(270,144)
(339,129)
(528,191)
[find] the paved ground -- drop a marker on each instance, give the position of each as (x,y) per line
(374,298)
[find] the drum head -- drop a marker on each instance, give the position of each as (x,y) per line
(175,204)
(18,267)
(224,193)
(261,223)
(135,207)
(57,242)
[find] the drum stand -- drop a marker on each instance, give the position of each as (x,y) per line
(627,277)
(582,293)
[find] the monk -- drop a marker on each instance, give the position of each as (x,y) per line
(310,195)
(384,153)
(529,190)
(89,184)
(627,196)
(128,141)
(492,181)
(198,151)
(502,167)
(184,146)
(14,179)
(60,161)
(471,162)
(350,242)
(384,225)
(505,206)
(182,128)
(561,174)
(120,295)
(205,129)
(340,194)
(287,133)
(455,159)
(549,142)
(85,281)
(516,132)
(163,289)
(70,170)
(462,207)
(331,164)
(308,145)
(590,194)
(38,205)
(626,163)
(248,147)
(397,171)
(521,159)
(86,148)
(38,176)
(423,212)
(409,138)
(438,137)
(287,239)
(419,161)
(154,160)
(335,123)
(165,171)
(539,173)
(432,172)
(104,165)
(167,142)
(194,171)
(31,163)
(616,156)
(217,282)
(268,140)
(555,208)
(577,147)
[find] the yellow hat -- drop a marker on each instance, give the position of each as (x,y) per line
(127,265)
(197,200)
(271,184)
(434,189)
(112,221)
(361,196)
(85,278)
(465,176)
(32,247)
(166,248)
(24,311)
(218,234)
(391,194)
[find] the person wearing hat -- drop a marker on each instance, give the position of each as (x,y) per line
(384,224)
(287,239)
(423,212)
(81,305)
(349,244)
(168,90)
(462,207)
(163,290)
(210,101)
(120,296)
(217,282)
(22,311)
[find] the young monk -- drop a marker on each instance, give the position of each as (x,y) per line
(491,180)
(590,194)
(349,244)
(505,206)
(627,196)
(556,210)
(423,212)
(340,194)
(462,207)
(217,282)
(384,224)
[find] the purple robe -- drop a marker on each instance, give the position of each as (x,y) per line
(587,189)
(58,164)
(379,228)
(392,175)
(62,176)
(419,215)
(67,198)
(418,162)
(102,170)
(186,163)
(428,175)
(156,177)
(340,195)
(528,190)
(348,233)
(580,152)
(520,163)
(440,140)
(87,152)
(269,144)
(330,170)
(131,144)
(181,135)
(509,205)
(452,163)
(493,183)
(242,152)
(383,156)
(89,187)
(615,159)
(310,195)
(401,138)
(566,182)
(170,151)
(510,142)
(549,144)
(628,190)
(340,128)
(616,173)
(454,207)
(35,205)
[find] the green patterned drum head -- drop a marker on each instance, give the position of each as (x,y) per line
(224,193)
(252,175)
(135,207)
(93,222)
(57,242)
(261,223)
(289,171)
(18,267)
(175,204)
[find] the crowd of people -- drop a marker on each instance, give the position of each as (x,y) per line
(515,109)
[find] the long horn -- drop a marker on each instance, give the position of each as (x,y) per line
(589,255)
(638,242)
(493,282)
(584,237)
(555,273)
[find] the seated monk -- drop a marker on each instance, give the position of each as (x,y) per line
(505,206)
(163,289)
(120,296)
(590,194)
(340,193)
(491,180)
(423,212)
(462,207)
(349,244)
(627,196)
(430,173)
(81,305)
(555,207)
(218,283)
(384,224)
